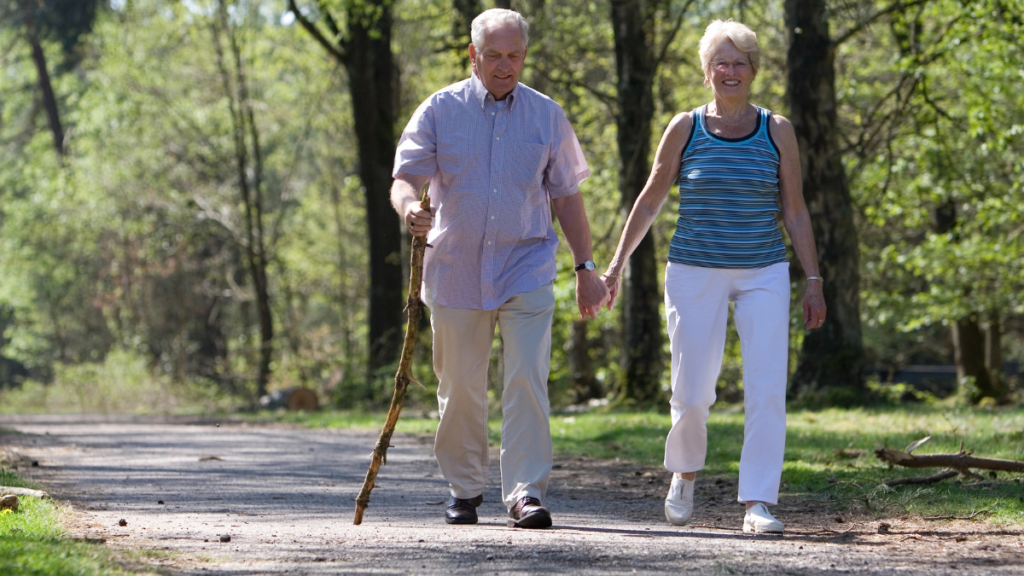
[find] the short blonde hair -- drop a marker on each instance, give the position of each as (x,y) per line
(740,35)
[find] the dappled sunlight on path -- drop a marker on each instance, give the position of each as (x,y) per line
(285,497)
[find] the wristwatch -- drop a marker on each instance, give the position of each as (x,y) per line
(588,265)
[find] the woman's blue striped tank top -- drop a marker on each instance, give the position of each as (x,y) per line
(728,199)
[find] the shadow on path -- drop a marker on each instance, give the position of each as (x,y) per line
(285,497)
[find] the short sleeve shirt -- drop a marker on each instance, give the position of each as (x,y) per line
(493,169)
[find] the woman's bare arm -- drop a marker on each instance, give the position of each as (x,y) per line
(663,174)
(796,218)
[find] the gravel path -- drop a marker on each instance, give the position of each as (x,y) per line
(284,495)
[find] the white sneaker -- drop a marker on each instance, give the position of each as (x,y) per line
(759,520)
(679,502)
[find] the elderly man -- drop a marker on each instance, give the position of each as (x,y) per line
(497,156)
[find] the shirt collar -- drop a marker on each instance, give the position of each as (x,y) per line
(483,96)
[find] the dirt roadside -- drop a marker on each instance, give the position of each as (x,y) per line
(284,495)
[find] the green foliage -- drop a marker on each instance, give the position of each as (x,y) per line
(895,394)
(9,478)
(839,396)
(133,243)
(121,384)
(937,172)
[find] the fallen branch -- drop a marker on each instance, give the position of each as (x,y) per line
(404,374)
(23,492)
(971,517)
(959,461)
(923,479)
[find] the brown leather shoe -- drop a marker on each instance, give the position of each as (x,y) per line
(462,511)
(528,513)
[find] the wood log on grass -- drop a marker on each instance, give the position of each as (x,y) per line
(404,375)
(960,461)
(4,490)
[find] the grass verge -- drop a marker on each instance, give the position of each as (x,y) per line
(829,453)
(32,542)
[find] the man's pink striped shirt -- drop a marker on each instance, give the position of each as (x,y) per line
(493,168)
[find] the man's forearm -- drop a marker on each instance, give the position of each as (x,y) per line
(405,190)
(591,292)
(572,217)
(405,199)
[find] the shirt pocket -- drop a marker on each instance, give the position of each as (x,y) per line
(526,166)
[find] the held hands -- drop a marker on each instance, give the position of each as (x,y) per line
(614,283)
(591,293)
(416,219)
(814,305)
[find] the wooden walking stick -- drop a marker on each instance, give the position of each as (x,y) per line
(414,307)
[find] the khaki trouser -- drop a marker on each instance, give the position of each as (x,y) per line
(462,351)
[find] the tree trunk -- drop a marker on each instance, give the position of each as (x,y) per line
(462,32)
(832,355)
(584,383)
(243,123)
(342,296)
(994,357)
(49,100)
(633,21)
(259,263)
(366,54)
(537,81)
(969,355)
(976,353)
(462,28)
(371,73)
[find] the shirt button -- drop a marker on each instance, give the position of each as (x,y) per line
(497,137)
(492,217)
(492,113)
(495,190)
(488,242)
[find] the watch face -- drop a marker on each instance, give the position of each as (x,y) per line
(588,265)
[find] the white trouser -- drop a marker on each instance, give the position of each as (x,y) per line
(462,351)
(697,305)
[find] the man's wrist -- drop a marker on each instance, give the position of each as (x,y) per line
(409,201)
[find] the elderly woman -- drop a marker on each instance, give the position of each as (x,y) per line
(737,165)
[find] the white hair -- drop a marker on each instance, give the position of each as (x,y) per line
(496,18)
(739,34)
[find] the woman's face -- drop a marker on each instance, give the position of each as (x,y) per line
(731,72)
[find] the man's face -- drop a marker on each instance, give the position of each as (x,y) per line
(500,60)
